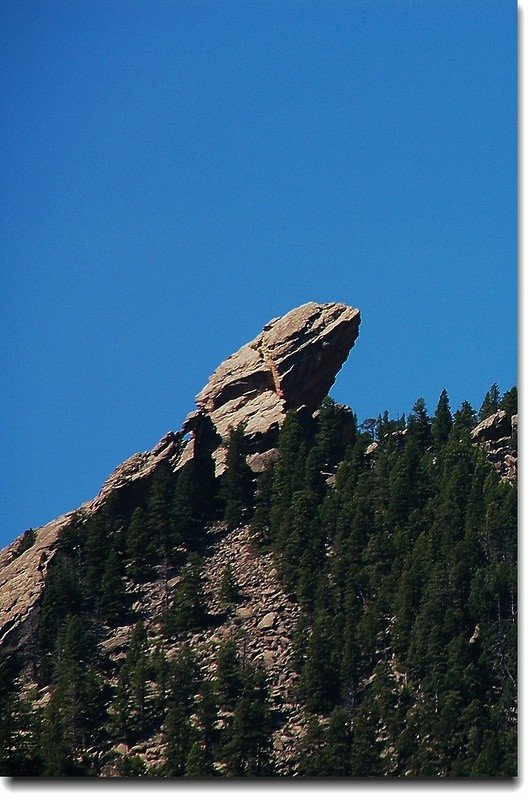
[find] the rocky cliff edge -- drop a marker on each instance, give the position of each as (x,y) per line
(292,363)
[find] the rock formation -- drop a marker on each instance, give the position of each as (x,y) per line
(497,434)
(292,363)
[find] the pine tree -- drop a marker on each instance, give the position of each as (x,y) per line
(464,419)
(319,680)
(95,553)
(490,404)
(337,429)
(114,599)
(260,524)
(206,716)
(228,674)
(179,739)
(77,696)
(188,609)
(199,763)
(55,752)
(18,728)
(248,746)
(184,681)
(63,596)
(419,426)
(202,467)
(158,502)
(129,711)
(229,588)
(139,547)
(237,482)
(365,750)
(312,760)
(186,522)
(161,671)
(508,401)
(132,766)
(121,716)
(442,421)
(338,743)
(288,472)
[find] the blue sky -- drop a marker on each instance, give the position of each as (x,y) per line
(177,173)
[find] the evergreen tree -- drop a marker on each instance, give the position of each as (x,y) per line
(158,501)
(337,428)
(419,425)
(464,419)
(122,726)
(365,750)
(132,767)
(248,746)
(139,547)
(319,680)
(188,610)
(202,467)
(199,763)
(77,694)
(229,588)
(490,404)
(160,672)
(288,472)
(206,715)
(184,681)
(338,742)
(442,421)
(130,713)
(114,599)
(260,524)
(18,729)
(186,522)
(55,751)
(508,401)
(63,596)
(228,674)
(312,760)
(179,740)
(95,553)
(237,482)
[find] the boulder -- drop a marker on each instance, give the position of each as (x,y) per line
(268,621)
(268,658)
(371,448)
(259,462)
(497,434)
(493,428)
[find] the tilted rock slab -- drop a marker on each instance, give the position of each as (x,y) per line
(291,364)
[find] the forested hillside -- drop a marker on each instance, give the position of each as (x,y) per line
(387,551)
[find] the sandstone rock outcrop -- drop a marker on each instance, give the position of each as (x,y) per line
(22,577)
(292,363)
(492,429)
(497,434)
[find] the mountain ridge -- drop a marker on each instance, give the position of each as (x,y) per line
(317,598)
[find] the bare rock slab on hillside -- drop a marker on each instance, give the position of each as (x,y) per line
(292,363)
